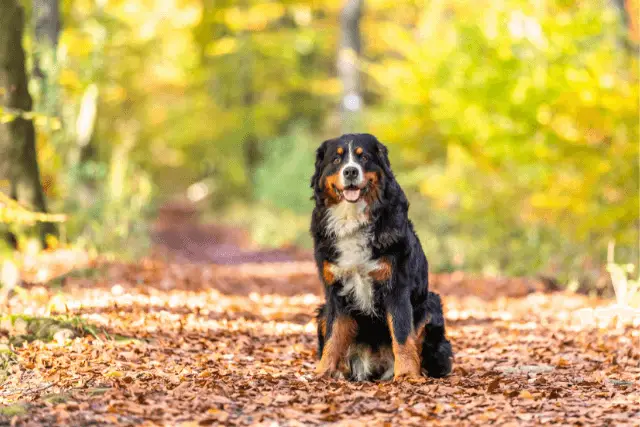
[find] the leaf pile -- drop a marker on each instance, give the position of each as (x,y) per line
(201,357)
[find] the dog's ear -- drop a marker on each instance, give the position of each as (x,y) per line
(383,156)
(320,152)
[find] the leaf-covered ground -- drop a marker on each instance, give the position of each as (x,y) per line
(195,355)
(204,344)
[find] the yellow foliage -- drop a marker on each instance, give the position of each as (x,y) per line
(12,212)
(222,46)
(254,18)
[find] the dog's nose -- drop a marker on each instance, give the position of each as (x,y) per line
(350,173)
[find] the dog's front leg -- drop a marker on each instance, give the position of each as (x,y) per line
(404,340)
(340,331)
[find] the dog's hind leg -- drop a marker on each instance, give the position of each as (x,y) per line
(436,349)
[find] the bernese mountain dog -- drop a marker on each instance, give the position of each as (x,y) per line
(379,320)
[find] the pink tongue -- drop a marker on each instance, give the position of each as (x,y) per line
(352,195)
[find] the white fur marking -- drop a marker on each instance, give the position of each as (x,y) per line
(353,267)
(388,374)
(346,218)
(363,362)
(351,162)
(359,358)
(348,222)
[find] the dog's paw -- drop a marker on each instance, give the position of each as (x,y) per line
(407,377)
(406,374)
(329,373)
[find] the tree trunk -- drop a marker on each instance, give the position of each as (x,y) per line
(18,162)
(250,146)
(46,20)
(348,63)
(629,14)
(46,17)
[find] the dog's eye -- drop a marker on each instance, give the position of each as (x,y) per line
(364,158)
(337,160)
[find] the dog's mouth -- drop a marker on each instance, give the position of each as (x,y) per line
(352,193)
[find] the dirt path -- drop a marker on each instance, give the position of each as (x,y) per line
(234,344)
(179,236)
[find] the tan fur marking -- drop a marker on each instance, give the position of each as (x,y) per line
(383,272)
(371,176)
(331,182)
(327,274)
(342,335)
(420,339)
(359,150)
(340,150)
(373,193)
(420,331)
(406,356)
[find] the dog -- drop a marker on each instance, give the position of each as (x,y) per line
(379,320)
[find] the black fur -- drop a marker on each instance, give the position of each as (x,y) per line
(436,349)
(405,294)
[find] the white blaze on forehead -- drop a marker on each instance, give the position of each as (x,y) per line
(351,162)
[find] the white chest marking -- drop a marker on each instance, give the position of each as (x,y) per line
(348,222)
(346,218)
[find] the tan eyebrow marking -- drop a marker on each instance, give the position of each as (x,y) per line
(340,150)
(359,150)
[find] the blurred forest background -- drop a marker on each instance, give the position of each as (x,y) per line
(512,124)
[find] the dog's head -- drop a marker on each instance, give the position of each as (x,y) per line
(351,168)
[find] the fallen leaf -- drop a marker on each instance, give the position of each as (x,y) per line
(494,386)
(525,394)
